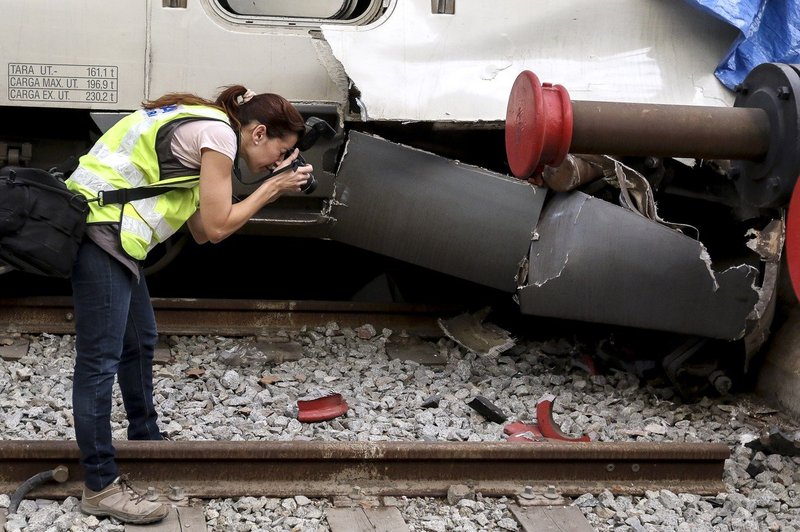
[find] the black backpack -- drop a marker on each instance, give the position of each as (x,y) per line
(41,221)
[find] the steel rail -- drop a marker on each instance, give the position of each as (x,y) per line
(213,469)
(235,317)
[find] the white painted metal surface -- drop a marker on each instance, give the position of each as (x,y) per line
(112,55)
(72,53)
(415,65)
(199,50)
(410,64)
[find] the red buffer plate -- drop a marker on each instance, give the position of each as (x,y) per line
(538,129)
(793,240)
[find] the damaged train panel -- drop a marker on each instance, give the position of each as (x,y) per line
(594,261)
(569,255)
(460,66)
(434,212)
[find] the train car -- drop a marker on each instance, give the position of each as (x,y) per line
(416,165)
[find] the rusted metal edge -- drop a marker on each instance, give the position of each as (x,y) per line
(211,469)
(234,317)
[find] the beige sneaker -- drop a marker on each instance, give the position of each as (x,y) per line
(120,500)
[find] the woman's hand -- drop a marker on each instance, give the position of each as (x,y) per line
(290,180)
(219,217)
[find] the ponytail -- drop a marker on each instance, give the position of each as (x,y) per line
(272,110)
(178,98)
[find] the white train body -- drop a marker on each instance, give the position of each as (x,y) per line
(408,59)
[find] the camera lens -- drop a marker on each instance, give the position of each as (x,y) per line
(310,186)
(311,183)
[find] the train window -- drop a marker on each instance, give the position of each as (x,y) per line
(354,11)
(443,7)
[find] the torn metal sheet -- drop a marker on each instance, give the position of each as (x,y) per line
(414,64)
(597,262)
(434,212)
(470,332)
(769,245)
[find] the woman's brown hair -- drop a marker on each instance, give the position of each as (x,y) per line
(272,110)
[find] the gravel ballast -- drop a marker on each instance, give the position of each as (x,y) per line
(216,388)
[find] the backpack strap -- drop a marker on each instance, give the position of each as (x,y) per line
(124,195)
(67,166)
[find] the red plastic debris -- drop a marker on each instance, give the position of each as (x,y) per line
(586,363)
(519,431)
(547,425)
(322,409)
(544,428)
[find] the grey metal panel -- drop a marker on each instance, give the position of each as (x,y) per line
(597,262)
(434,212)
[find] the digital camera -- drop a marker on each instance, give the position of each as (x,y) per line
(311,184)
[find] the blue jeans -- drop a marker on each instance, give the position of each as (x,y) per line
(115,335)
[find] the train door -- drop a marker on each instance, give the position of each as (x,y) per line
(266,45)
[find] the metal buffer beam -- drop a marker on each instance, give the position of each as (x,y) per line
(761,133)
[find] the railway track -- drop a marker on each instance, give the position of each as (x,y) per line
(212,469)
(232,317)
(362,478)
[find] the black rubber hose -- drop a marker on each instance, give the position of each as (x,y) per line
(59,474)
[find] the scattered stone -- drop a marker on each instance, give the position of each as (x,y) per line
(238,397)
(195,373)
(365,332)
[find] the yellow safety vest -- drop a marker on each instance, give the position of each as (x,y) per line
(126,156)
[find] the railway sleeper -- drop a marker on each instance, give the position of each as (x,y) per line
(384,518)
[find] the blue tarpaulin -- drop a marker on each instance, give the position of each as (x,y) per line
(770,33)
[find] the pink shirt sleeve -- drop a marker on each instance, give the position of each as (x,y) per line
(190,139)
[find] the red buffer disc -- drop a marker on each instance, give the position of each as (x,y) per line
(793,240)
(538,129)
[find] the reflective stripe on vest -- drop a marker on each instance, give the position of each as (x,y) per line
(125,157)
